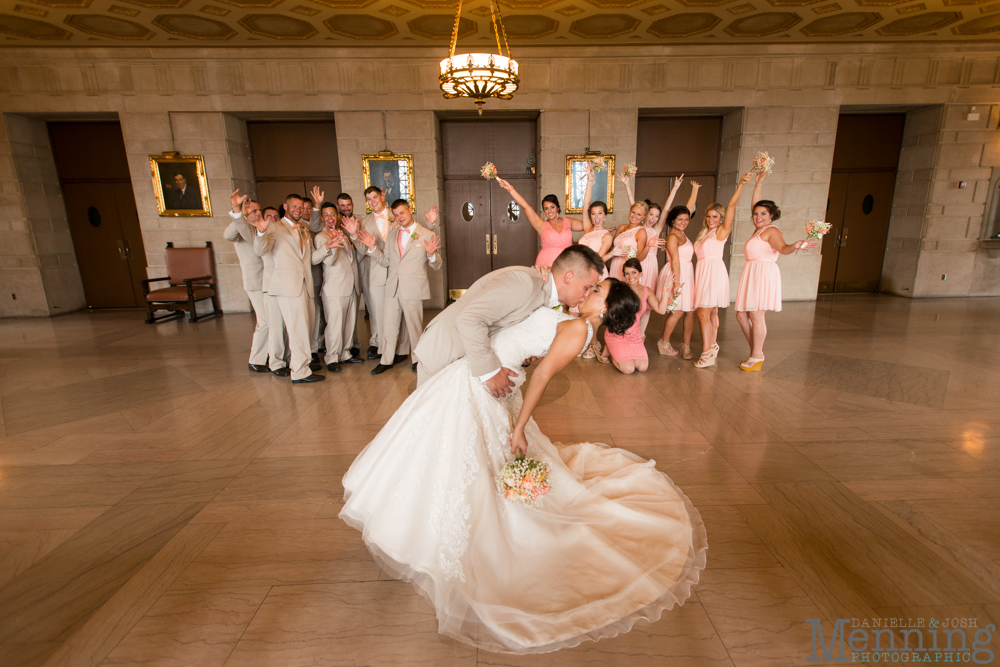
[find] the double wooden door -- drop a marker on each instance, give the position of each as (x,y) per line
(858,209)
(487,230)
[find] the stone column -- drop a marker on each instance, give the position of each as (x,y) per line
(39,275)
(222,140)
(934,246)
(414,132)
(801,141)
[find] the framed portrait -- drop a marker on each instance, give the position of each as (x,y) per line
(392,174)
(576,182)
(180,185)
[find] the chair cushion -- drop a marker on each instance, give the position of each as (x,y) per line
(188,263)
(179,293)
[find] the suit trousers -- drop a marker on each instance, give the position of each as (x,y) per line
(375,307)
(364,273)
(258,347)
(277,337)
(401,339)
(341,320)
(316,340)
(297,312)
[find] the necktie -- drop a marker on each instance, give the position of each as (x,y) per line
(399,240)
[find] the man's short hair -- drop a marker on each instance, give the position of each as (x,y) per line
(308,200)
(399,202)
(372,189)
(177,173)
(269,208)
(343,196)
(578,258)
(328,204)
(290,197)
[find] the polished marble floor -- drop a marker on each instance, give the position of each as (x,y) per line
(160,505)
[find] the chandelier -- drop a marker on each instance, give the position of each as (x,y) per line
(480,75)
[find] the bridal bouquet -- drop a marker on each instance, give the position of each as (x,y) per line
(817,229)
(599,165)
(763,162)
(489,171)
(524,480)
(630,170)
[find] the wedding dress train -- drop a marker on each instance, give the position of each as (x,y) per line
(614,540)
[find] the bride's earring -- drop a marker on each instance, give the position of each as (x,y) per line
(603,310)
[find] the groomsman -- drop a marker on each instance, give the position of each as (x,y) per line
(288,243)
(376,224)
(310,212)
(409,249)
(241,235)
(345,207)
(340,288)
(277,337)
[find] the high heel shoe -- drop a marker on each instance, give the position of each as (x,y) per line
(664,347)
(752,364)
(686,352)
(708,357)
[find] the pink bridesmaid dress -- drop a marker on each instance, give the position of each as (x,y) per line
(760,281)
(593,240)
(684,254)
(629,345)
(711,280)
(554,242)
(650,265)
(626,238)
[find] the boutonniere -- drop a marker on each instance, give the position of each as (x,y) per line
(413,236)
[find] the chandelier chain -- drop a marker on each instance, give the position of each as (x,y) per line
(454,32)
(503,30)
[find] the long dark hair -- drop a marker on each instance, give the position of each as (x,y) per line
(623,305)
(554,200)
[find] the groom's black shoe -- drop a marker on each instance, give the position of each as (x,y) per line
(381,368)
(399,358)
(373,353)
(355,351)
(259,368)
(353,360)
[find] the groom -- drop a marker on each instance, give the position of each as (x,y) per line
(498,300)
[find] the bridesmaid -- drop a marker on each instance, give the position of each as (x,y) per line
(760,282)
(627,350)
(680,250)
(556,230)
(632,234)
(711,280)
(595,213)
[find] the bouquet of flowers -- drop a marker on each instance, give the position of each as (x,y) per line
(599,164)
(630,170)
(763,162)
(524,480)
(631,252)
(675,300)
(489,171)
(817,229)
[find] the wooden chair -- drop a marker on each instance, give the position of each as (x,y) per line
(191,274)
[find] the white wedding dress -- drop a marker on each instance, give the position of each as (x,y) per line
(614,540)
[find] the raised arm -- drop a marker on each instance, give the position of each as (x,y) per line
(569,340)
(264,241)
(533,218)
(777,241)
(758,187)
(692,202)
(628,187)
(315,223)
(588,224)
(722,233)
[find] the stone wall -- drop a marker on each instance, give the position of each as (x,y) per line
(37,259)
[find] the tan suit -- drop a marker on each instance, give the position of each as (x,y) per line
(241,234)
(463,329)
(406,287)
(340,291)
(374,274)
(316,226)
(292,286)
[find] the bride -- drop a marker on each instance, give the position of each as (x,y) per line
(613,541)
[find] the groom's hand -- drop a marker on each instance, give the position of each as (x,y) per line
(500,384)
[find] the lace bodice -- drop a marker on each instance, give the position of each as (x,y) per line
(531,337)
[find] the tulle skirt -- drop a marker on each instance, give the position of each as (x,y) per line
(686,302)
(711,284)
(614,541)
(650,270)
(760,286)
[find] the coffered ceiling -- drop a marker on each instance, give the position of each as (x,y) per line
(375,23)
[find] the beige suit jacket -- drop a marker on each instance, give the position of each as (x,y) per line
(292,263)
(241,234)
(406,276)
(340,268)
(378,265)
(497,300)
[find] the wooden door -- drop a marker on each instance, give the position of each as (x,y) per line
(469,237)
(135,251)
(100,245)
(835,206)
(515,240)
(867,210)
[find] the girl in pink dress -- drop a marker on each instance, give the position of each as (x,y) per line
(760,282)
(628,352)
(595,213)
(632,235)
(556,230)
(680,250)
(711,280)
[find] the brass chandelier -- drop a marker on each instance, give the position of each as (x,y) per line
(480,75)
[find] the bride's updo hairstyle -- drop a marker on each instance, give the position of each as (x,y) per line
(771,207)
(579,259)
(623,305)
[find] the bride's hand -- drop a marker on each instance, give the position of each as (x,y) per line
(543,271)
(518,443)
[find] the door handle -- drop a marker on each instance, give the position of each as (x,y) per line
(494,244)
(121,250)
(487,244)
(843,238)
(128,250)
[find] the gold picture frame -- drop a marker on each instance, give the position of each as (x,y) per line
(576,182)
(381,166)
(180,185)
